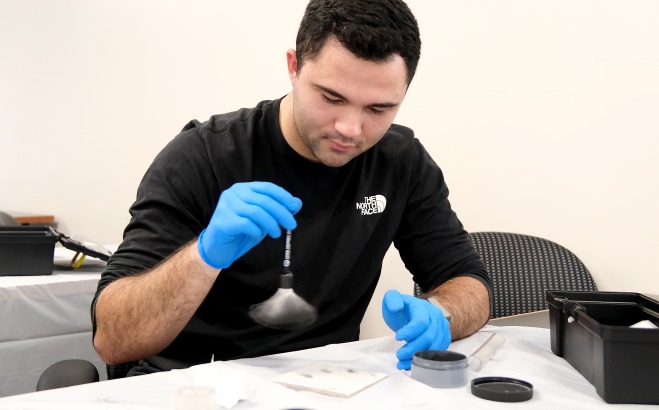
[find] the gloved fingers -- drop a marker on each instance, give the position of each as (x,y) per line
(393,310)
(404,364)
(404,355)
(426,340)
(261,209)
(442,340)
(279,194)
(438,337)
(393,301)
(244,215)
(235,226)
(419,318)
(266,216)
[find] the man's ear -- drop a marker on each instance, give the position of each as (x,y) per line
(291,63)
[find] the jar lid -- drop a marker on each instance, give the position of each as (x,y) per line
(502,389)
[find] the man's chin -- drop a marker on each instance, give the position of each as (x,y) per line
(335,161)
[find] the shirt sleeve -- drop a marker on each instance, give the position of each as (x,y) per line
(431,240)
(175,200)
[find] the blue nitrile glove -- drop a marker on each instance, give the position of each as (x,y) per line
(422,325)
(244,215)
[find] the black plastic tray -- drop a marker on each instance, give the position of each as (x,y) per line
(591,331)
(27,250)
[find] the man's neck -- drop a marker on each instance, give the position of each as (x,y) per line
(286,121)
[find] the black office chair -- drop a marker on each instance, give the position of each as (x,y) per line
(523,267)
(73,372)
(119,371)
(67,373)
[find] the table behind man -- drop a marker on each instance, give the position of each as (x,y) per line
(195,255)
(45,319)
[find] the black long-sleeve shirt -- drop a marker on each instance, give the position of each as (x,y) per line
(350,215)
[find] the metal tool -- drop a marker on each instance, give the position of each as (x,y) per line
(285,309)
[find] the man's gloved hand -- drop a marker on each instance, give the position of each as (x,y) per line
(422,325)
(244,215)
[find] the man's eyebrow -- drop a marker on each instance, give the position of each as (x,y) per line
(338,95)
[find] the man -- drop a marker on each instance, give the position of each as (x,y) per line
(204,242)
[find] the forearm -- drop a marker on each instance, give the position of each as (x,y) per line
(138,316)
(467,300)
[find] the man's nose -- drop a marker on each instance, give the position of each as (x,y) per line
(349,122)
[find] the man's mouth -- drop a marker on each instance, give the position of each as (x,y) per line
(340,146)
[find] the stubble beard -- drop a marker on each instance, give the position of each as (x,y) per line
(314,145)
(324,155)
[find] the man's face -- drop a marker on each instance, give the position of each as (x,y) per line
(342,105)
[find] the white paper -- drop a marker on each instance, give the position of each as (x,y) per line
(229,383)
(330,379)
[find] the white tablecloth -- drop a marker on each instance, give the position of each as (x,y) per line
(44,319)
(525,355)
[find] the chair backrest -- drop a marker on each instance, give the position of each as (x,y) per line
(523,267)
(72,372)
(65,373)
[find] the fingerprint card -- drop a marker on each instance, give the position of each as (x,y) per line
(330,379)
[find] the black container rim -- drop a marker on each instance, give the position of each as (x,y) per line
(439,359)
(48,235)
(27,231)
(37,235)
(502,389)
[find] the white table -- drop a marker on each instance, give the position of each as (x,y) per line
(525,355)
(45,319)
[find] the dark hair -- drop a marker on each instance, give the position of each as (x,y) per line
(372,30)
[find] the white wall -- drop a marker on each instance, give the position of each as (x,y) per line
(542,114)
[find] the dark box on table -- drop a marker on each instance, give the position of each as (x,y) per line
(591,330)
(27,250)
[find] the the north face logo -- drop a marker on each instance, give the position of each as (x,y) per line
(372,205)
